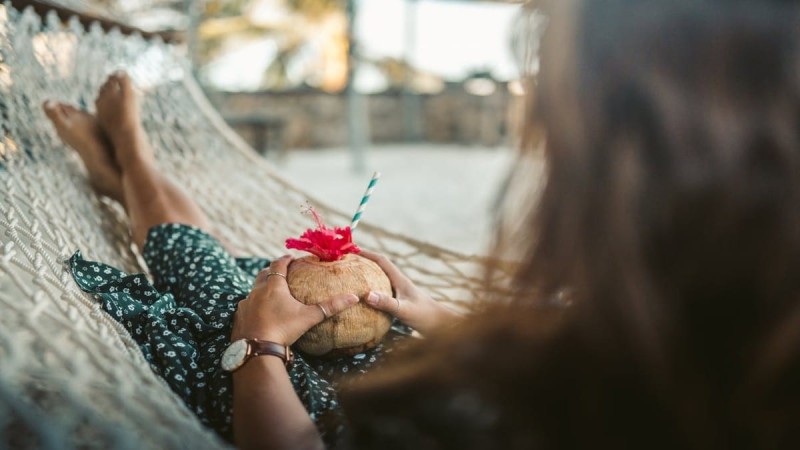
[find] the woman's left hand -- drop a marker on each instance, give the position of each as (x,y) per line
(271,313)
(410,304)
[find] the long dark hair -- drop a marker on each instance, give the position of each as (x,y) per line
(657,294)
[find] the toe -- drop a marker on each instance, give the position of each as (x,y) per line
(68,109)
(124,81)
(56,112)
(101,95)
(49,108)
(109,83)
(63,112)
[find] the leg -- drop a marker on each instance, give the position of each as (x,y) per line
(150,198)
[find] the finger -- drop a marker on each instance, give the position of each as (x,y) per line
(395,275)
(281,266)
(332,306)
(384,303)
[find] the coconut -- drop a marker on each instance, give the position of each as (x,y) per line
(354,330)
(334,269)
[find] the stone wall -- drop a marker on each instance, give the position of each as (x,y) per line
(311,119)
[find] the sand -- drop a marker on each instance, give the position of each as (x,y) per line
(436,193)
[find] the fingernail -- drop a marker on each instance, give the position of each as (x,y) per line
(372,298)
(49,104)
(353,299)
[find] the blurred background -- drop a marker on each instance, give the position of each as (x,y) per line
(425,91)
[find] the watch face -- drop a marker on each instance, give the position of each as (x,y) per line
(234,355)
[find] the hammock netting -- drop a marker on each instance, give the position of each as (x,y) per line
(70,376)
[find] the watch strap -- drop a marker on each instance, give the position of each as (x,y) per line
(259,347)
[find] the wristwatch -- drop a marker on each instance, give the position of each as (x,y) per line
(240,351)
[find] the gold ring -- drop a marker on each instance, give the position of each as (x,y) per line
(322,308)
(269,274)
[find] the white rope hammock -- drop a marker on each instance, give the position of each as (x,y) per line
(70,376)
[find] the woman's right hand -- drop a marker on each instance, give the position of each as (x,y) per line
(271,313)
(411,305)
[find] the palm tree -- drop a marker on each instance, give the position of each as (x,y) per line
(316,8)
(230,19)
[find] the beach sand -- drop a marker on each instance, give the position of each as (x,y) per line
(436,193)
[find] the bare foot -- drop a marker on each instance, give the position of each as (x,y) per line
(118,114)
(81,131)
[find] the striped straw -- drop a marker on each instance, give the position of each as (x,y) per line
(363,205)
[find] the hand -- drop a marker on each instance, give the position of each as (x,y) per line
(272,314)
(411,305)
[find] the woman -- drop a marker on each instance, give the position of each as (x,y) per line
(656,299)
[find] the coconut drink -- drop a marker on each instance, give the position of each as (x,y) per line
(333,268)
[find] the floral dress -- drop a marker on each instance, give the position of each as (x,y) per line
(182,324)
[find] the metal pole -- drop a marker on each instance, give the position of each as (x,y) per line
(194,12)
(357,120)
(412,108)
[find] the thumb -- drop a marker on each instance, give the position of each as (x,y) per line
(383,302)
(333,306)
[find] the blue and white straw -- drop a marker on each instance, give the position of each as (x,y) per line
(363,205)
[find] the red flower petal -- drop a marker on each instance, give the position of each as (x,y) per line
(325,243)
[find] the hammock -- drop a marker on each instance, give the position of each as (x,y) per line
(70,376)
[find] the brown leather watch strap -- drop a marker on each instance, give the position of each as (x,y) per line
(259,347)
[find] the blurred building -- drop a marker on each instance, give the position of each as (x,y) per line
(284,73)
(309,118)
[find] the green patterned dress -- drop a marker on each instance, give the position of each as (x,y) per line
(182,323)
